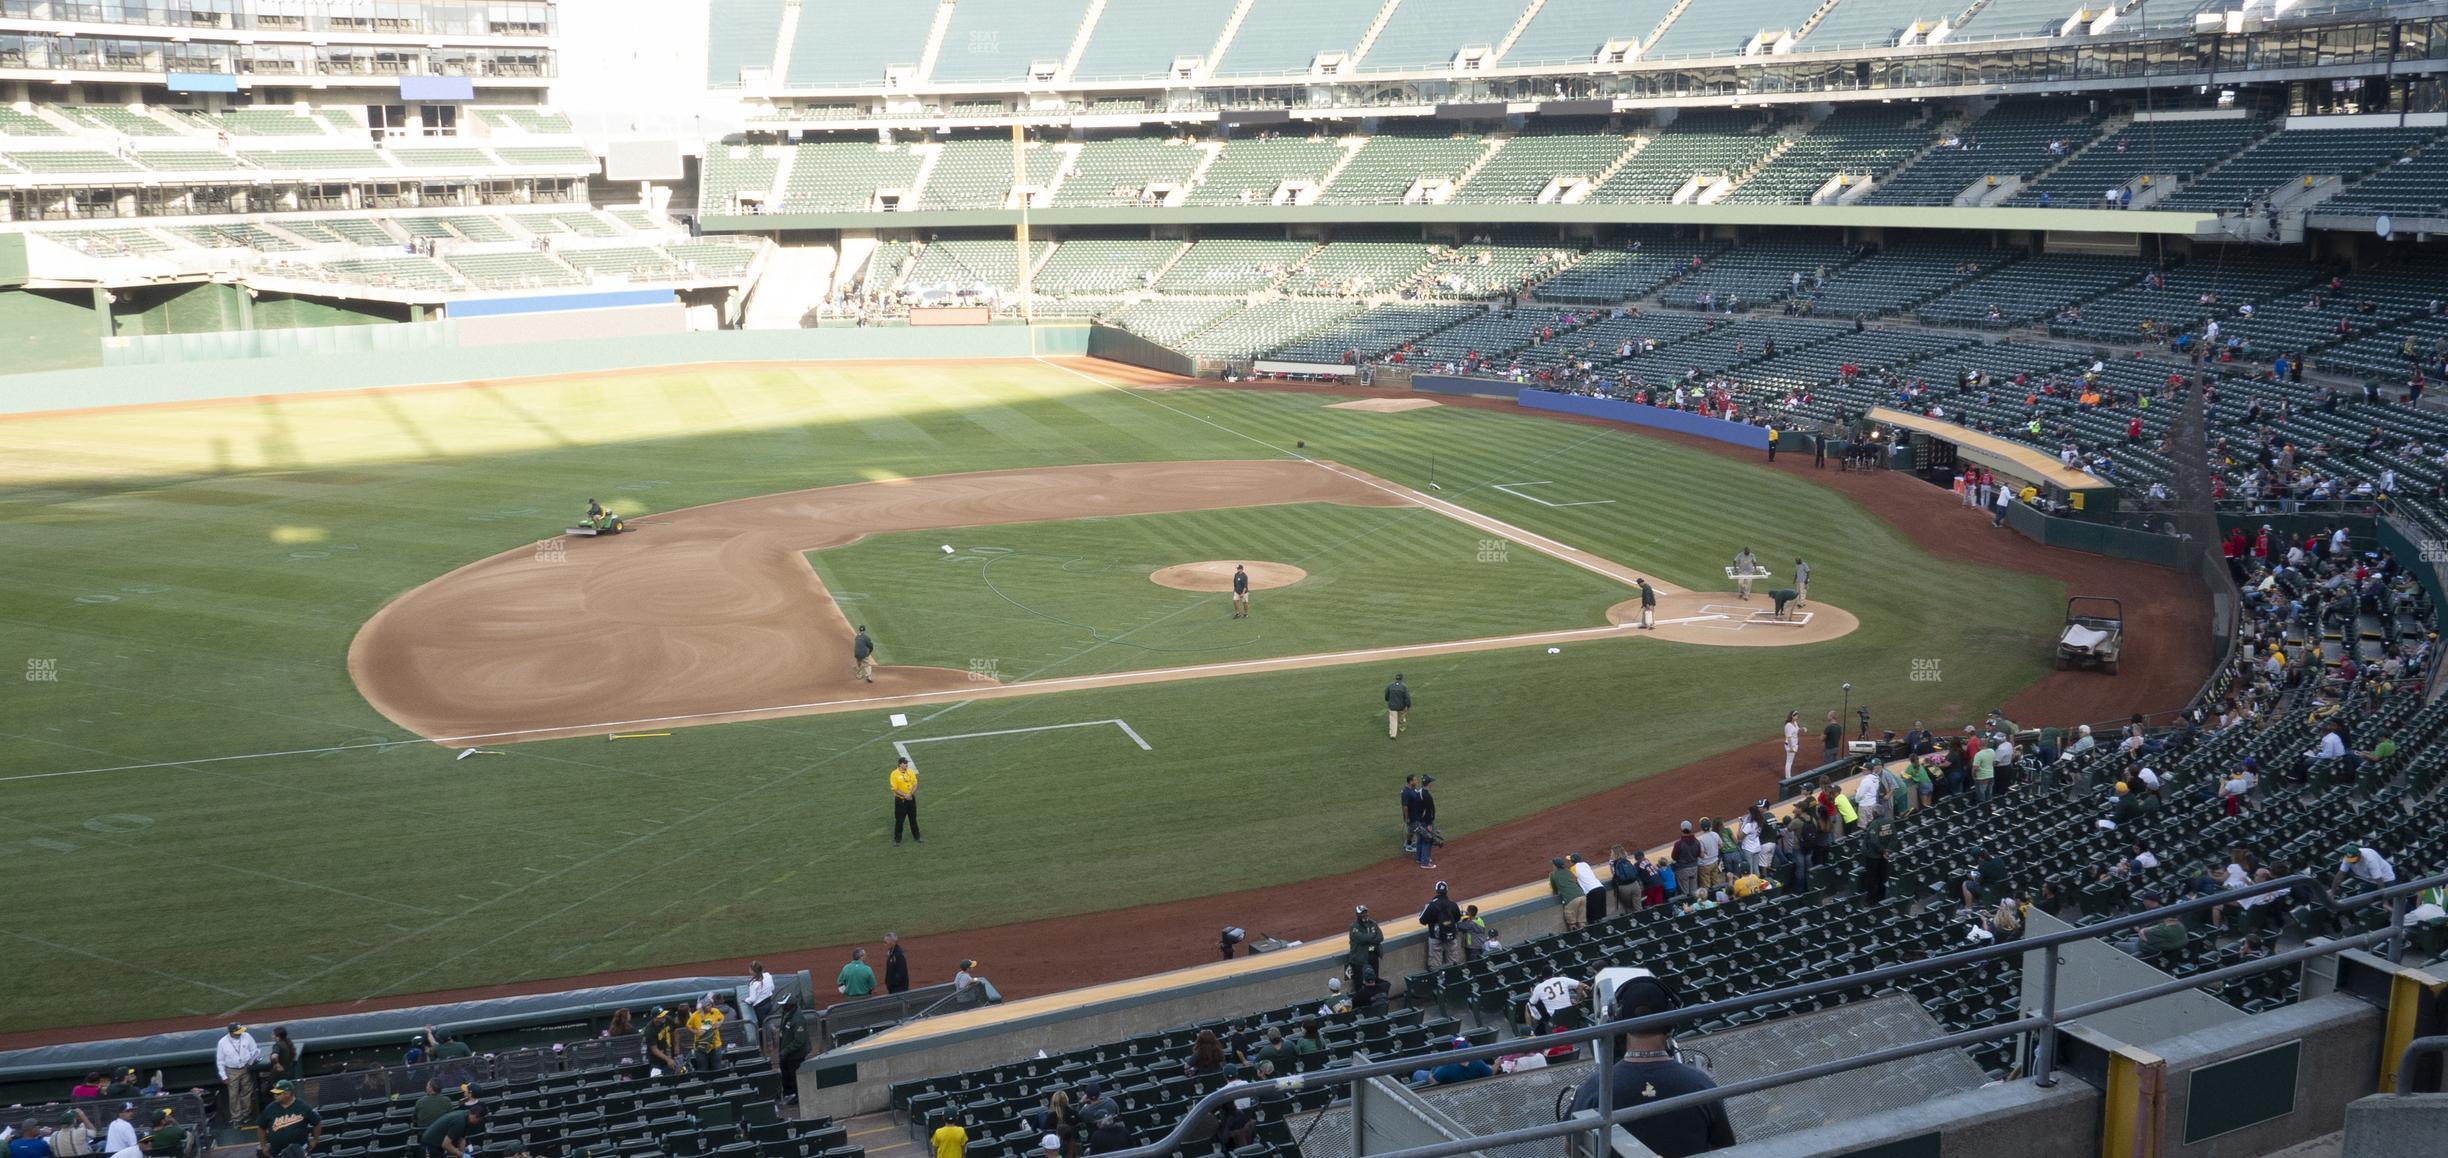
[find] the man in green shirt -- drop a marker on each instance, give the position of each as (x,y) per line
(287,1125)
(855,979)
(1984,771)
(1307,1043)
(447,1137)
(1567,893)
(167,1139)
(433,1105)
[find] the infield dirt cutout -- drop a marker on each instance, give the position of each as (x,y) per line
(713,613)
(1216,575)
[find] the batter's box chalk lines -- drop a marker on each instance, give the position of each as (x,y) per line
(1508,488)
(901,747)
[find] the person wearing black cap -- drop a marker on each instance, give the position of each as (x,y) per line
(1398,706)
(862,654)
(1361,957)
(1424,838)
(1646,1070)
(288,1127)
(790,1048)
(1443,920)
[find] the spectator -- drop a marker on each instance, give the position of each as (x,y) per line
(284,1059)
(1362,942)
(951,1139)
(2362,863)
(73,1136)
(1336,1001)
(1593,894)
(1831,737)
(1686,858)
(120,1135)
(790,1049)
(433,1105)
(1206,1055)
(760,992)
(620,1026)
(1450,1072)
(855,978)
(965,976)
(1443,920)
(1478,937)
(288,1128)
(234,1059)
(1711,859)
(705,1034)
(896,965)
(88,1089)
(1057,1122)
(1646,1069)
(167,1138)
(666,1043)
(1624,878)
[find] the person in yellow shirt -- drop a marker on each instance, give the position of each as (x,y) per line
(705,1033)
(905,799)
(951,1139)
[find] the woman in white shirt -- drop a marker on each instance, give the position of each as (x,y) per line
(1793,739)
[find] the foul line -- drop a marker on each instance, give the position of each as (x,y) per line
(901,747)
(1508,489)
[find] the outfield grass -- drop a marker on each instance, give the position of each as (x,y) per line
(192,579)
(1042,600)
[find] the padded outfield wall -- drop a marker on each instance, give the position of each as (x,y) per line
(314,374)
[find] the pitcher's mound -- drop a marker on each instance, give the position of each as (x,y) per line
(1385,405)
(1217,576)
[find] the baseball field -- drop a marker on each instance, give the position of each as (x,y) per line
(250,642)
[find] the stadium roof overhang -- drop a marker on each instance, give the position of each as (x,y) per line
(1820,216)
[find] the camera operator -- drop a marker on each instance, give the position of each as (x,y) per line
(1647,1069)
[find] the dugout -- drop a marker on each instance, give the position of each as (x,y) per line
(1941,450)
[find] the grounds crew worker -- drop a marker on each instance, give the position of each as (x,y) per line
(862,653)
(1398,706)
(287,1126)
(904,782)
(1646,1070)
(1648,606)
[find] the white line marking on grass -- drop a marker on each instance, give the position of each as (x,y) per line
(1508,489)
(901,747)
(124,964)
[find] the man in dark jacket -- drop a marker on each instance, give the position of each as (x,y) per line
(1410,809)
(791,1045)
(896,966)
(1398,706)
(862,654)
(1687,861)
(1361,956)
(1443,920)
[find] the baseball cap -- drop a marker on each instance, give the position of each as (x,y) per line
(284,1086)
(1051,1142)
(1556,861)
(2350,852)
(1334,985)
(1360,909)
(1687,826)
(1427,779)
(1642,996)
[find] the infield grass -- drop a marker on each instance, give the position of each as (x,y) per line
(1041,600)
(197,817)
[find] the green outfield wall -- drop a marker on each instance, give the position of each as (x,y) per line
(313,372)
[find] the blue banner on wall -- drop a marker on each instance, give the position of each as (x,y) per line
(1679,421)
(437,88)
(201,82)
(496,307)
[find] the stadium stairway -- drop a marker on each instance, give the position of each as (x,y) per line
(796,278)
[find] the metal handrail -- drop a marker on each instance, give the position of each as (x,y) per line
(2414,1049)
(2048,1019)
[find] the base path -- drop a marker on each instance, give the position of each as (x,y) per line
(713,614)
